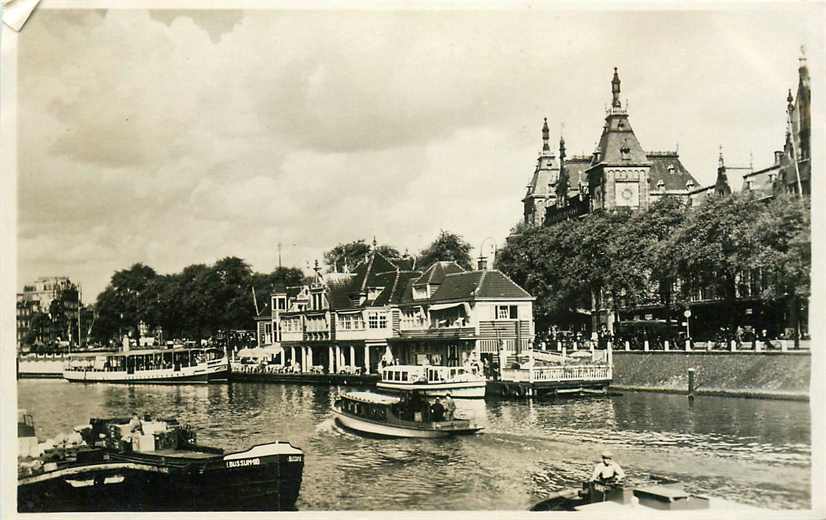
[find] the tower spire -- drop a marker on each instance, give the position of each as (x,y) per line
(561,144)
(615,90)
(545,136)
(720,161)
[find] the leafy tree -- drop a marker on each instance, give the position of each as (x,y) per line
(447,247)
(351,254)
(713,246)
(783,252)
(280,279)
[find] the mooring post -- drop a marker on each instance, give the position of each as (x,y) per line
(691,384)
(558,346)
(666,345)
(645,345)
(733,346)
(627,345)
(687,345)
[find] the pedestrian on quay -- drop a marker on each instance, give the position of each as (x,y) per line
(450,407)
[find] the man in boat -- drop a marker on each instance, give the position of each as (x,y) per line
(437,411)
(135,425)
(450,407)
(607,471)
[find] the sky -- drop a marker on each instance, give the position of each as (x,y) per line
(181,137)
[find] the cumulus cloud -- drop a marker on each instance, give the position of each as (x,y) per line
(176,137)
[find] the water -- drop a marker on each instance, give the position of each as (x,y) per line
(751,451)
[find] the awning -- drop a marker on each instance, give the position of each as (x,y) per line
(442,306)
(260,353)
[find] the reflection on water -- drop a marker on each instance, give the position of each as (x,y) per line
(751,451)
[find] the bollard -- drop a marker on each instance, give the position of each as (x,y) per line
(733,346)
(688,345)
(559,346)
(591,346)
(757,346)
(690,384)
(627,346)
(645,345)
(666,345)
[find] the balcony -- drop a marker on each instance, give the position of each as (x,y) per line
(440,333)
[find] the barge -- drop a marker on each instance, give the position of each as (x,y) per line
(157,466)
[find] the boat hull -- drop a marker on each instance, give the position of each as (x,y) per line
(464,390)
(202,373)
(138,483)
(395,430)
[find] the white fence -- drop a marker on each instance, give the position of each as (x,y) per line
(561,374)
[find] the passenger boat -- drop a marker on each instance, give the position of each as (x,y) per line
(391,416)
(432,380)
(174,365)
(595,497)
(108,467)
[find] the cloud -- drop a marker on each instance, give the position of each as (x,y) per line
(178,137)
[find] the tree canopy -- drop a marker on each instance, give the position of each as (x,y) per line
(446,247)
(346,256)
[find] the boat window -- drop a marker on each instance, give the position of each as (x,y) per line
(404,376)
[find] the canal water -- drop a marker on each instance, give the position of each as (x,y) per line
(752,451)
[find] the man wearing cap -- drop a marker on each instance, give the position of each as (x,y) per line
(607,470)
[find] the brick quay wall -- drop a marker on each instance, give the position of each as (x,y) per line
(766,375)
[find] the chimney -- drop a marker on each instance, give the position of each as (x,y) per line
(778,156)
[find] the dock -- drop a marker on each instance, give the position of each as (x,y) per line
(549,374)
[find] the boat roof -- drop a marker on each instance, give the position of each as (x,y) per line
(139,352)
(370,397)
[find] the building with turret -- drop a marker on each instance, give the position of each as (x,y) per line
(618,174)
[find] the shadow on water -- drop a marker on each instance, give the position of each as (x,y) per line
(750,451)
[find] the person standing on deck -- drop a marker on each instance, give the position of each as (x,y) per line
(607,471)
(450,407)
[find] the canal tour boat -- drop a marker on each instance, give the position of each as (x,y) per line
(175,365)
(432,380)
(111,465)
(391,416)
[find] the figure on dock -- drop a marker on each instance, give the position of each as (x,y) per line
(450,407)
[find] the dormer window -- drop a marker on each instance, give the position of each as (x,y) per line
(771,177)
(671,169)
(689,185)
(747,185)
(374,292)
(661,185)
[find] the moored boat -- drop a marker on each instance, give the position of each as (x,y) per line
(432,380)
(391,416)
(177,365)
(158,467)
(595,497)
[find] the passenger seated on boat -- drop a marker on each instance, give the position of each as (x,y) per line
(437,411)
(607,471)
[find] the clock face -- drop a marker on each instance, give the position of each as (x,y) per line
(628,194)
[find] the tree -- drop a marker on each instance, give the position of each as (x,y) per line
(783,252)
(351,254)
(278,280)
(713,246)
(126,302)
(447,247)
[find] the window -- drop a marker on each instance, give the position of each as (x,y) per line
(689,185)
(506,312)
(377,320)
(661,185)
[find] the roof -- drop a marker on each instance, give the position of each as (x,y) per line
(545,174)
(667,167)
(478,284)
(435,274)
(370,397)
(575,168)
(617,135)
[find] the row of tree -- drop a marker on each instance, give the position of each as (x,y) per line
(664,255)
(210,300)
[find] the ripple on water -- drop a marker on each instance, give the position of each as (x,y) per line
(751,451)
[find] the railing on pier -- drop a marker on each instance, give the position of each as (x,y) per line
(559,374)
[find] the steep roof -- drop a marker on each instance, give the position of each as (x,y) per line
(666,167)
(436,273)
(545,174)
(478,284)
(575,169)
(618,145)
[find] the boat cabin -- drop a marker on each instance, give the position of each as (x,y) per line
(414,374)
(143,360)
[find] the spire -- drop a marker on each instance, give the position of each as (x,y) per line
(561,146)
(615,90)
(374,243)
(721,186)
(790,102)
(545,136)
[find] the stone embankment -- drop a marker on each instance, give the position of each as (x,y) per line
(765,375)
